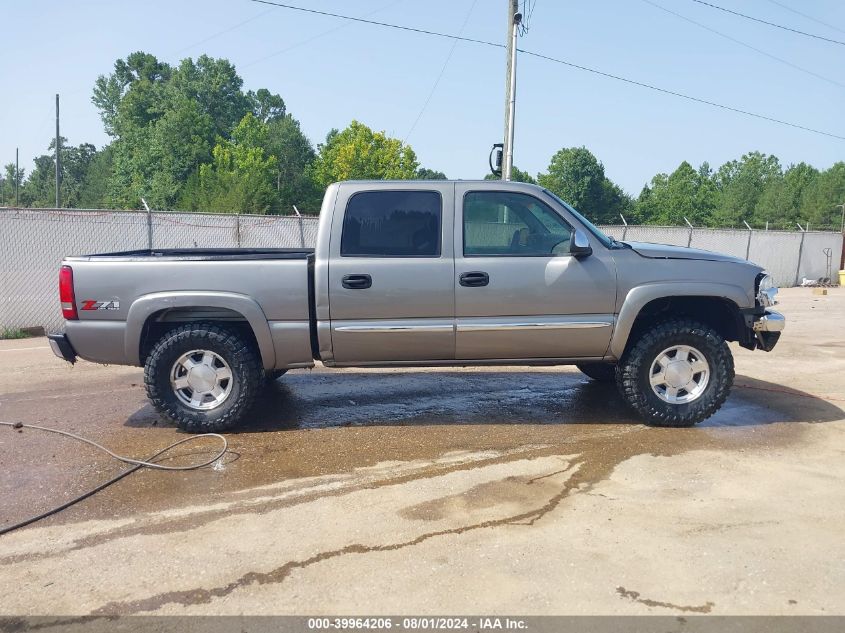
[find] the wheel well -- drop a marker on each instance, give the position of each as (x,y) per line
(161,322)
(721,314)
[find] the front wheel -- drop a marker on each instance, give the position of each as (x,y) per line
(203,377)
(677,373)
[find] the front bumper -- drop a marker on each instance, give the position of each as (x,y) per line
(771,321)
(61,347)
(767,329)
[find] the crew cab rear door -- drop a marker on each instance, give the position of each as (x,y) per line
(391,273)
(519,293)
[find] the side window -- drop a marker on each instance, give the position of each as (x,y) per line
(515,224)
(392,224)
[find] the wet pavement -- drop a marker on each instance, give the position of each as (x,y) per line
(417,482)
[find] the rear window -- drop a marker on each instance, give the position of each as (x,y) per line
(392,224)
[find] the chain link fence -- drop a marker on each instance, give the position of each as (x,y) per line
(34,241)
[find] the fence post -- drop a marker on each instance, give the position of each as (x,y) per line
(149,224)
(301,228)
(748,246)
(625,230)
(689,239)
(238,228)
(800,252)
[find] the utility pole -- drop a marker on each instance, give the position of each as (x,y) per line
(17,173)
(842,228)
(58,159)
(514,18)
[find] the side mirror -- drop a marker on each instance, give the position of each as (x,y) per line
(580,245)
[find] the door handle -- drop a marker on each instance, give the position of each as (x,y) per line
(357,282)
(474,279)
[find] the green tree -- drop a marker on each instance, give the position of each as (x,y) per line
(360,153)
(424,173)
(94,193)
(153,162)
(818,204)
(517,175)
(741,184)
(215,86)
(685,193)
(130,94)
(39,190)
(781,201)
(576,175)
(266,106)
(165,122)
(240,178)
(7,184)
(293,155)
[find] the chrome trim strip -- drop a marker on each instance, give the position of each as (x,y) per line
(393,328)
(508,327)
(476,327)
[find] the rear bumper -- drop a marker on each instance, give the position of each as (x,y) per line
(61,347)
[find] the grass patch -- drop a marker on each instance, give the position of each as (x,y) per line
(12,333)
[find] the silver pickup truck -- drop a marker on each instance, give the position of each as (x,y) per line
(422,273)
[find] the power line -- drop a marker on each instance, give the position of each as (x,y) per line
(440,75)
(809,17)
(377,23)
(224,31)
(313,37)
(528,7)
(683,96)
(566,63)
(777,26)
(749,46)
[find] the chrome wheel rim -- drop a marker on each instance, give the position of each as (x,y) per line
(201,379)
(679,374)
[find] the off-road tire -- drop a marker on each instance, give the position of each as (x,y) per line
(239,354)
(632,375)
(600,372)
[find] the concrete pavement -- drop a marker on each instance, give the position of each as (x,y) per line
(496,490)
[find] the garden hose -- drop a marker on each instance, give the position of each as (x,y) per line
(136,464)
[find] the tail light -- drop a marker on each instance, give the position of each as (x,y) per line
(66,294)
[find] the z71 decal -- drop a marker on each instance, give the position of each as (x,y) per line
(90,304)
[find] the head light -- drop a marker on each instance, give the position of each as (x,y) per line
(767,291)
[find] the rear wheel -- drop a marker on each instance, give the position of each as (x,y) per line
(203,377)
(601,372)
(677,373)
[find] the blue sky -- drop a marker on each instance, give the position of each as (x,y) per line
(382,77)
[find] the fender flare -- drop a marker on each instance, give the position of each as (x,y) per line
(639,296)
(143,307)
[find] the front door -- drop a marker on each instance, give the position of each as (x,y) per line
(391,274)
(519,293)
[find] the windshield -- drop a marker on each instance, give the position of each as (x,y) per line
(592,228)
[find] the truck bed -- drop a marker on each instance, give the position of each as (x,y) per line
(119,292)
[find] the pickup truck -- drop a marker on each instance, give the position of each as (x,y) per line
(422,273)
